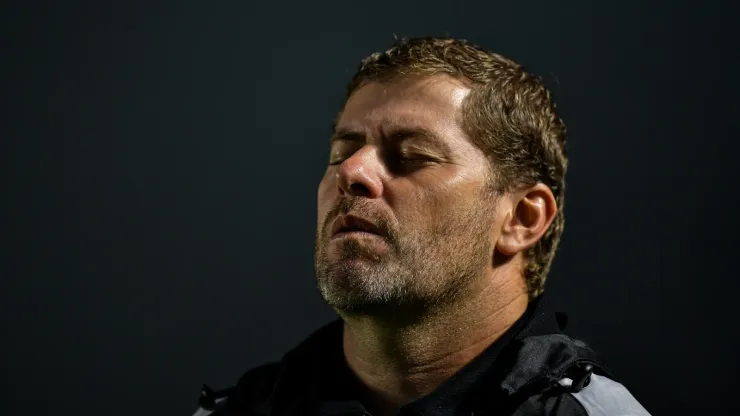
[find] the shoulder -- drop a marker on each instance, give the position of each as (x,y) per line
(251,393)
(557,374)
(603,396)
(255,391)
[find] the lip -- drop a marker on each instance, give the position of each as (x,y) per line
(353,225)
(354,234)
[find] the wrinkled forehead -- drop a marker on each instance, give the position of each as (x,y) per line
(410,102)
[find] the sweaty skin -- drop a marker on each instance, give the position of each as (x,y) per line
(442,279)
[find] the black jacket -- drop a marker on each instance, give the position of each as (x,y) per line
(534,369)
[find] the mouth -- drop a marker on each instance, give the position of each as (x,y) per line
(349,225)
(367,240)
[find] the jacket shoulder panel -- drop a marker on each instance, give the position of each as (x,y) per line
(253,390)
(606,397)
(551,401)
(220,403)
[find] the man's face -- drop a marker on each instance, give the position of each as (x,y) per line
(400,160)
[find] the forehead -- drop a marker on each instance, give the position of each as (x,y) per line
(432,102)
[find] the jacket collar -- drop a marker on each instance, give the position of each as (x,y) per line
(532,352)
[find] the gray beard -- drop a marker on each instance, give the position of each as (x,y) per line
(423,271)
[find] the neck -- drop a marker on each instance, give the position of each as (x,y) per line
(398,362)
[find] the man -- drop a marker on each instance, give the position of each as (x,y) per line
(438,218)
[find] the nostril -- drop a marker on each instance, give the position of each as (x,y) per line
(359,189)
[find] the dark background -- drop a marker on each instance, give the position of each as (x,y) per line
(161,161)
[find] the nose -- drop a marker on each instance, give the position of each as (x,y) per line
(360,174)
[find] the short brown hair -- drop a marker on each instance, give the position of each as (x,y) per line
(509,114)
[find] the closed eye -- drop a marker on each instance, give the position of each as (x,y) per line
(393,160)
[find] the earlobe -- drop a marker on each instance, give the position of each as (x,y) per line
(531,214)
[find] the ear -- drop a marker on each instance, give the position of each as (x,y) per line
(532,212)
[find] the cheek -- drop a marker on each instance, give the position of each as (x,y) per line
(416,212)
(447,209)
(325,197)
